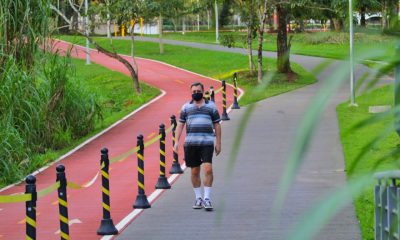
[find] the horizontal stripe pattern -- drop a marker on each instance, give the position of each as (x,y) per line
(199,123)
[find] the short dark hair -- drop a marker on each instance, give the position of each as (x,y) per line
(195,84)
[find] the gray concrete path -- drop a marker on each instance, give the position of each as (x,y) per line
(243,205)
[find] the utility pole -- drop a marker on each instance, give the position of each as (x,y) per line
(87,33)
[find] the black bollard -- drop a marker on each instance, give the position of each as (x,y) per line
(235,94)
(141,199)
(63,202)
(212,94)
(106,226)
(176,167)
(30,188)
(162,182)
(207,96)
(224,116)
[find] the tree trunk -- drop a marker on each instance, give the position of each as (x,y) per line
(393,12)
(260,55)
(250,49)
(362,13)
(302,27)
(108,26)
(337,23)
(75,22)
(122,60)
(263,17)
(331,24)
(198,22)
(183,25)
(208,19)
(108,20)
(282,45)
(160,33)
(174,23)
(384,15)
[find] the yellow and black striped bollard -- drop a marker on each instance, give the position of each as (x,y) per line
(235,93)
(106,226)
(63,202)
(224,116)
(141,199)
(212,94)
(30,188)
(162,182)
(207,96)
(176,167)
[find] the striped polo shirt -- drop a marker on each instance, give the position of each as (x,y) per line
(199,123)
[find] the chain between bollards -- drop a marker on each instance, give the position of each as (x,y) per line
(30,188)
(106,226)
(224,116)
(176,167)
(235,93)
(141,199)
(63,202)
(162,182)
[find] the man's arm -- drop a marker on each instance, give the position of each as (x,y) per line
(217,127)
(178,133)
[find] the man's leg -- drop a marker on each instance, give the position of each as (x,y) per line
(196,181)
(208,180)
(208,174)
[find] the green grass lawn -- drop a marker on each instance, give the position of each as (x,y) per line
(320,44)
(113,92)
(214,64)
(354,142)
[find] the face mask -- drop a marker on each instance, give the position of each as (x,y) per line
(197,96)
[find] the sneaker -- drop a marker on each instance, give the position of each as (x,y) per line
(198,204)
(207,204)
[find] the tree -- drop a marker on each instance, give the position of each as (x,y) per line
(248,14)
(164,9)
(364,7)
(124,10)
(226,14)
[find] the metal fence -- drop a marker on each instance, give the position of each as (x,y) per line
(387,206)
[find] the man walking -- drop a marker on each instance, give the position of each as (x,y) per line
(200,117)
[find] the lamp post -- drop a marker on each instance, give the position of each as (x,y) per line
(352,78)
(87,33)
(216,22)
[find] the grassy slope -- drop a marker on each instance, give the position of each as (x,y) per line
(114,93)
(304,43)
(210,63)
(353,144)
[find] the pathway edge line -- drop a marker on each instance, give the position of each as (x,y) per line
(163,93)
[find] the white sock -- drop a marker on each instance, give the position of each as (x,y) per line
(197,191)
(207,192)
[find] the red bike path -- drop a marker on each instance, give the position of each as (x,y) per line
(85,205)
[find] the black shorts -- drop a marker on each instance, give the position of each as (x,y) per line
(196,155)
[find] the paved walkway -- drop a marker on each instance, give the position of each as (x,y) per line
(243,204)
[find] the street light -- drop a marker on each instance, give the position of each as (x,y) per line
(216,22)
(352,78)
(87,33)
